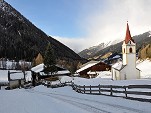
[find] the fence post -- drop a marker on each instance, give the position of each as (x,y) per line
(125,91)
(99,89)
(111,91)
(84,88)
(90,89)
(72,85)
(79,89)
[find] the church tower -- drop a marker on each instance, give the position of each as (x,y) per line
(126,70)
(129,50)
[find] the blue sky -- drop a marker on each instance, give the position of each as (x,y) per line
(80,24)
(57,17)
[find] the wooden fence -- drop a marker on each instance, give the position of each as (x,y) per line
(58,85)
(119,91)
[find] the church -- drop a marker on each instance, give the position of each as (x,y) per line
(126,69)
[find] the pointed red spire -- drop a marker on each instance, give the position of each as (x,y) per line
(128,35)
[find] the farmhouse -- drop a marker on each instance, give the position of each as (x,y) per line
(127,68)
(91,69)
(39,72)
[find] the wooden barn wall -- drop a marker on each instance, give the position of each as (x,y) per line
(99,67)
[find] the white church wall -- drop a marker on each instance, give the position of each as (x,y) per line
(115,74)
(131,60)
(124,57)
(129,72)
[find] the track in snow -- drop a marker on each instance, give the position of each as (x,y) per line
(87,104)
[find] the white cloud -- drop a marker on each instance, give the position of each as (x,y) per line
(110,23)
(75,44)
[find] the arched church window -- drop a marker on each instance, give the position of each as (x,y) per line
(124,50)
(130,42)
(130,50)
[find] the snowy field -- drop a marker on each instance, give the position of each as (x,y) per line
(145,67)
(64,100)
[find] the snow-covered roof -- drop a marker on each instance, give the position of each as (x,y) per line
(90,62)
(104,74)
(87,66)
(63,72)
(16,75)
(38,68)
(28,76)
(118,66)
(117,56)
(91,73)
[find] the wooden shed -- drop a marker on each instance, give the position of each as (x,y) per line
(39,72)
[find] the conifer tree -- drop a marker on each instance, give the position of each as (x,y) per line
(50,59)
(33,62)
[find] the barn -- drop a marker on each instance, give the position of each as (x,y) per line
(91,69)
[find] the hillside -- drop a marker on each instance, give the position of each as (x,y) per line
(20,39)
(145,52)
(87,53)
(90,52)
(141,40)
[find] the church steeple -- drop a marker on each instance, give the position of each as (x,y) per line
(129,49)
(128,35)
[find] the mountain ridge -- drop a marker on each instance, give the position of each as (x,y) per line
(141,40)
(20,39)
(91,51)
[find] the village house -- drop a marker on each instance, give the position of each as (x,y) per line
(91,69)
(39,73)
(127,68)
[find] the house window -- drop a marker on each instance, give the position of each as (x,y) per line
(130,42)
(130,50)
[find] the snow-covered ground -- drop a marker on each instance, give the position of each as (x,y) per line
(3,75)
(97,81)
(64,100)
(145,67)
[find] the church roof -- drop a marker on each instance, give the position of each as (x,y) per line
(118,66)
(128,35)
